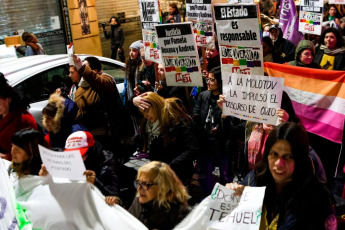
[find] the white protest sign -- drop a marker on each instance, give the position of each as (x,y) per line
(311,16)
(226,211)
(150,14)
(151,47)
(199,10)
(180,55)
(238,25)
(68,165)
(243,60)
(203,33)
(252,97)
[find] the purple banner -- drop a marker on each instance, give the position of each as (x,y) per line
(288,21)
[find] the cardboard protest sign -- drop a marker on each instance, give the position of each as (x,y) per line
(310,16)
(227,211)
(240,1)
(68,165)
(243,60)
(180,55)
(252,97)
(199,10)
(238,25)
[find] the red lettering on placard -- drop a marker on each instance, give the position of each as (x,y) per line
(241,71)
(309,27)
(179,77)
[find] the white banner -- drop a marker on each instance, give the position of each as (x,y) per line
(8,218)
(336,1)
(237,25)
(242,60)
(223,210)
(252,97)
(68,165)
(70,206)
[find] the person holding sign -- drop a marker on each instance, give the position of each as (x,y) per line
(209,133)
(332,16)
(26,158)
(161,201)
(330,54)
(294,198)
(174,14)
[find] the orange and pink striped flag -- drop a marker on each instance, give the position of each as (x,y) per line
(318,97)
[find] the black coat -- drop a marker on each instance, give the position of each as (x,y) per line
(285,49)
(305,207)
(179,152)
(339,60)
(154,217)
(116,35)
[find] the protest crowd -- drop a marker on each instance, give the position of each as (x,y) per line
(190,134)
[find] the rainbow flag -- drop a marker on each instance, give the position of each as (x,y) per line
(318,97)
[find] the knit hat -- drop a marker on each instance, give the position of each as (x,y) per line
(80,140)
(137,45)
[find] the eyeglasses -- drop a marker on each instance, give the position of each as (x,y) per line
(142,58)
(211,80)
(144,185)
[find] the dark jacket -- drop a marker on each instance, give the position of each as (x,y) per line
(307,207)
(179,152)
(339,60)
(174,91)
(154,217)
(303,45)
(285,49)
(205,102)
(116,35)
(102,162)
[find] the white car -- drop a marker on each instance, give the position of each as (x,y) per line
(38,76)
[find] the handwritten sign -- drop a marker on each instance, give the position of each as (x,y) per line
(68,165)
(238,25)
(242,60)
(179,54)
(252,97)
(311,16)
(199,10)
(227,211)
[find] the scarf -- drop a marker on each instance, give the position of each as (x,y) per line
(153,131)
(332,52)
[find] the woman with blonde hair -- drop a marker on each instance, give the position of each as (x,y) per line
(161,201)
(168,134)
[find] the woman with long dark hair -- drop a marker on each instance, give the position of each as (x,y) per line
(117,38)
(294,198)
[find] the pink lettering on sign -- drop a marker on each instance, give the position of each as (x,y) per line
(309,27)
(241,71)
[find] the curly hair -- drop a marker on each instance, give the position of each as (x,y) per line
(336,32)
(170,188)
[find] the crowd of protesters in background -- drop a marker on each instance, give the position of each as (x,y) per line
(183,138)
